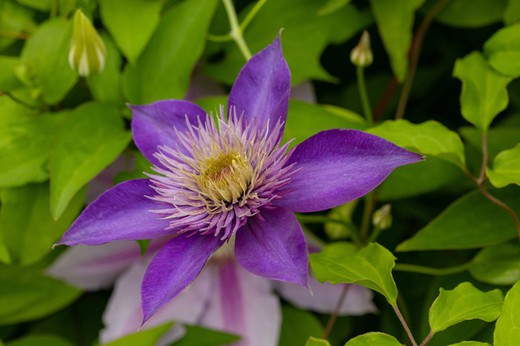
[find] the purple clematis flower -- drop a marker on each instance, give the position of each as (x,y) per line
(229,178)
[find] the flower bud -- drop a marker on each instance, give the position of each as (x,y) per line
(361,55)
(87,50)
(382,217)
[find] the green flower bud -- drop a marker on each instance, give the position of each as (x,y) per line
(361,55)
(87,50)
(382,217)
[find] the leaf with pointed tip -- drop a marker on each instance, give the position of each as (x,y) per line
(507,329)
(503,50)
(506,168)
(497,265)
(312,341)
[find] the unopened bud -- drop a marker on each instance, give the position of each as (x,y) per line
(382,217)
(361,55)
(87,50)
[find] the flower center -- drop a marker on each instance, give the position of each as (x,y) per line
(226,177)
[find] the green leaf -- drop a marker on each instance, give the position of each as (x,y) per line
(312,341)
(4,252)
(297,326)
(14,18)
(106,85)
(470,222)
(25,143)
(395,23)
(472,13)
(302,42)
(484,92)
(470,343)
(503,50)
(497,265)
(306,119)
(40,340)
(46,56)
(131,23)
(512,12)
(499,138)
(429,138)
(152,79)
(373,338)
(370,267)
(463,303)
(200,336)
(147,337)
(506,168)
(25,294)
(8,79)
(77,158)
(332,6)
(507,329)
(28,228)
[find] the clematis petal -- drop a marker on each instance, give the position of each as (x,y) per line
(263,86)
(325,297)
(153,124)
(124,316)
(94,267)
(173,268)
(121,213)
(244,304)
(272,245)
(337,166)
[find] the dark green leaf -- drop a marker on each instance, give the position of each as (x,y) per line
(77,157)
(499,138)
(472,13)
(332,6)
(8,79)
(297,326)
(507,330)
(200,336)
(164,68)
(25,294)
(512,12)
(470,222)
(40,340)
(28,228)
(14,18)
(370,267)
(147,337)
(497,265)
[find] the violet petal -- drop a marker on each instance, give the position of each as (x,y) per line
(272,245)
(262,88)
(173,268)
(121,213)
(338,166)
(153,124)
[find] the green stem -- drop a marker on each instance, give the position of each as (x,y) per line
(220,38)
(370,203)
(236,32)
(11,34)
(404,324)
(17,100)
(363,93)
(403,267)
(324,219)
(252,14)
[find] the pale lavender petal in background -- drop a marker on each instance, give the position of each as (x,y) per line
(262,88)
(94,267)
(325,297)
(338,166)
(153,124)
(121,213)
(174,268)
(243,304)
(203,86)
(304,92)
(123,314)
(272,245)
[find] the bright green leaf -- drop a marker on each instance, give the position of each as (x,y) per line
(25,294)
(503,50)
(28,228)
(147,337)
(472,13)
(302,42)
(4,252)
(497,265)
(484,92)
(470,222)
(463,303)
(14,18)
(200,336)
(372,339)
(470,343)
(8,79)
(506,168)
(151,78)
(370,267)
(395,23)
(77,157)
(46,56)
(40,340)
(297,326)
(512,12)
(131,23)
(25,143)
(312,341)
(507,330)
(335,230)
(428,138)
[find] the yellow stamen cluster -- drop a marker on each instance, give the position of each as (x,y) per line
(226,177)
